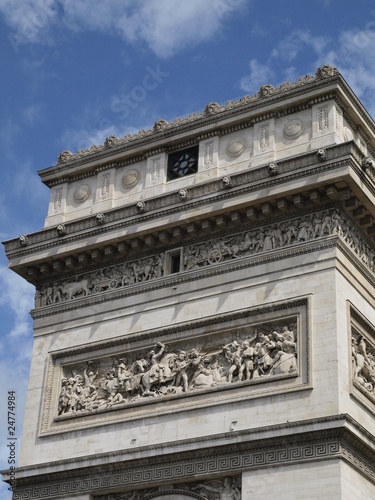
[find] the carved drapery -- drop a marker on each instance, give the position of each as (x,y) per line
(309,227)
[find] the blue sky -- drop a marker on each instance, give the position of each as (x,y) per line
(77,71)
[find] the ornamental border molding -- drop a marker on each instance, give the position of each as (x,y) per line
(208,115)
(304,249)
(213,326)
(170,203)
(340,421)
(213,462)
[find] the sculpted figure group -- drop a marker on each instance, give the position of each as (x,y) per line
(363,364)
(164,371)
(306,228)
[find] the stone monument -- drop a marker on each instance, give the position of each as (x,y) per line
(204,311)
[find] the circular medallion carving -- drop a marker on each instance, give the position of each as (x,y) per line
(82,193)
(236,146)
(130,179)
(294,128)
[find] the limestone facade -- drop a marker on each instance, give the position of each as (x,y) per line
(204,321)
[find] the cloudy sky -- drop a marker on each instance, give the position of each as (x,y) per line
(77,71)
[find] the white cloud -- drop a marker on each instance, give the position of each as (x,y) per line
(352,52)
(16,297)
(16,300)
(165,27)
(296,42)
(353,55)
(33,113)
(259,75)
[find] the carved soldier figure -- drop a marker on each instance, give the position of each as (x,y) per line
(232,352)
(326,225)
(247,358)
(290,233)
(65,397)
(157,370)
(179,368)
(197,366)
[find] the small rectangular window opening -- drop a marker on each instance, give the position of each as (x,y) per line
(174,262)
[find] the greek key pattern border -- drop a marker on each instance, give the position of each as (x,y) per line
(237,459)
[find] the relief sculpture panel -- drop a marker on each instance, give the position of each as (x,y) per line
(209,361)
(265,351)
(283,234)
(363,358)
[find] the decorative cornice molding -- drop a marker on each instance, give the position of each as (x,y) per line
(266,94)
(228,251)
(244,182)
(241,452)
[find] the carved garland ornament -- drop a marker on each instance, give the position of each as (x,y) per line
(255,241)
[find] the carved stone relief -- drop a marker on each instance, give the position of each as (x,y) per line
(293,129)
(155,168)
(57,200)
(263,138)
(254,241)
(227,488)
(130,179)
(208,154)
(104,188)
(236,146)
(244,355)
(322,120)
(363,360)
(82,193)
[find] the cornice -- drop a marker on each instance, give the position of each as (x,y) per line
(234,452)
(327,79)
(222,439)
(199,195)
(179,279)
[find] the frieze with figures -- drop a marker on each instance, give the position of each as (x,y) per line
(238,245)
(228,488)
(261,352)
(363,362)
